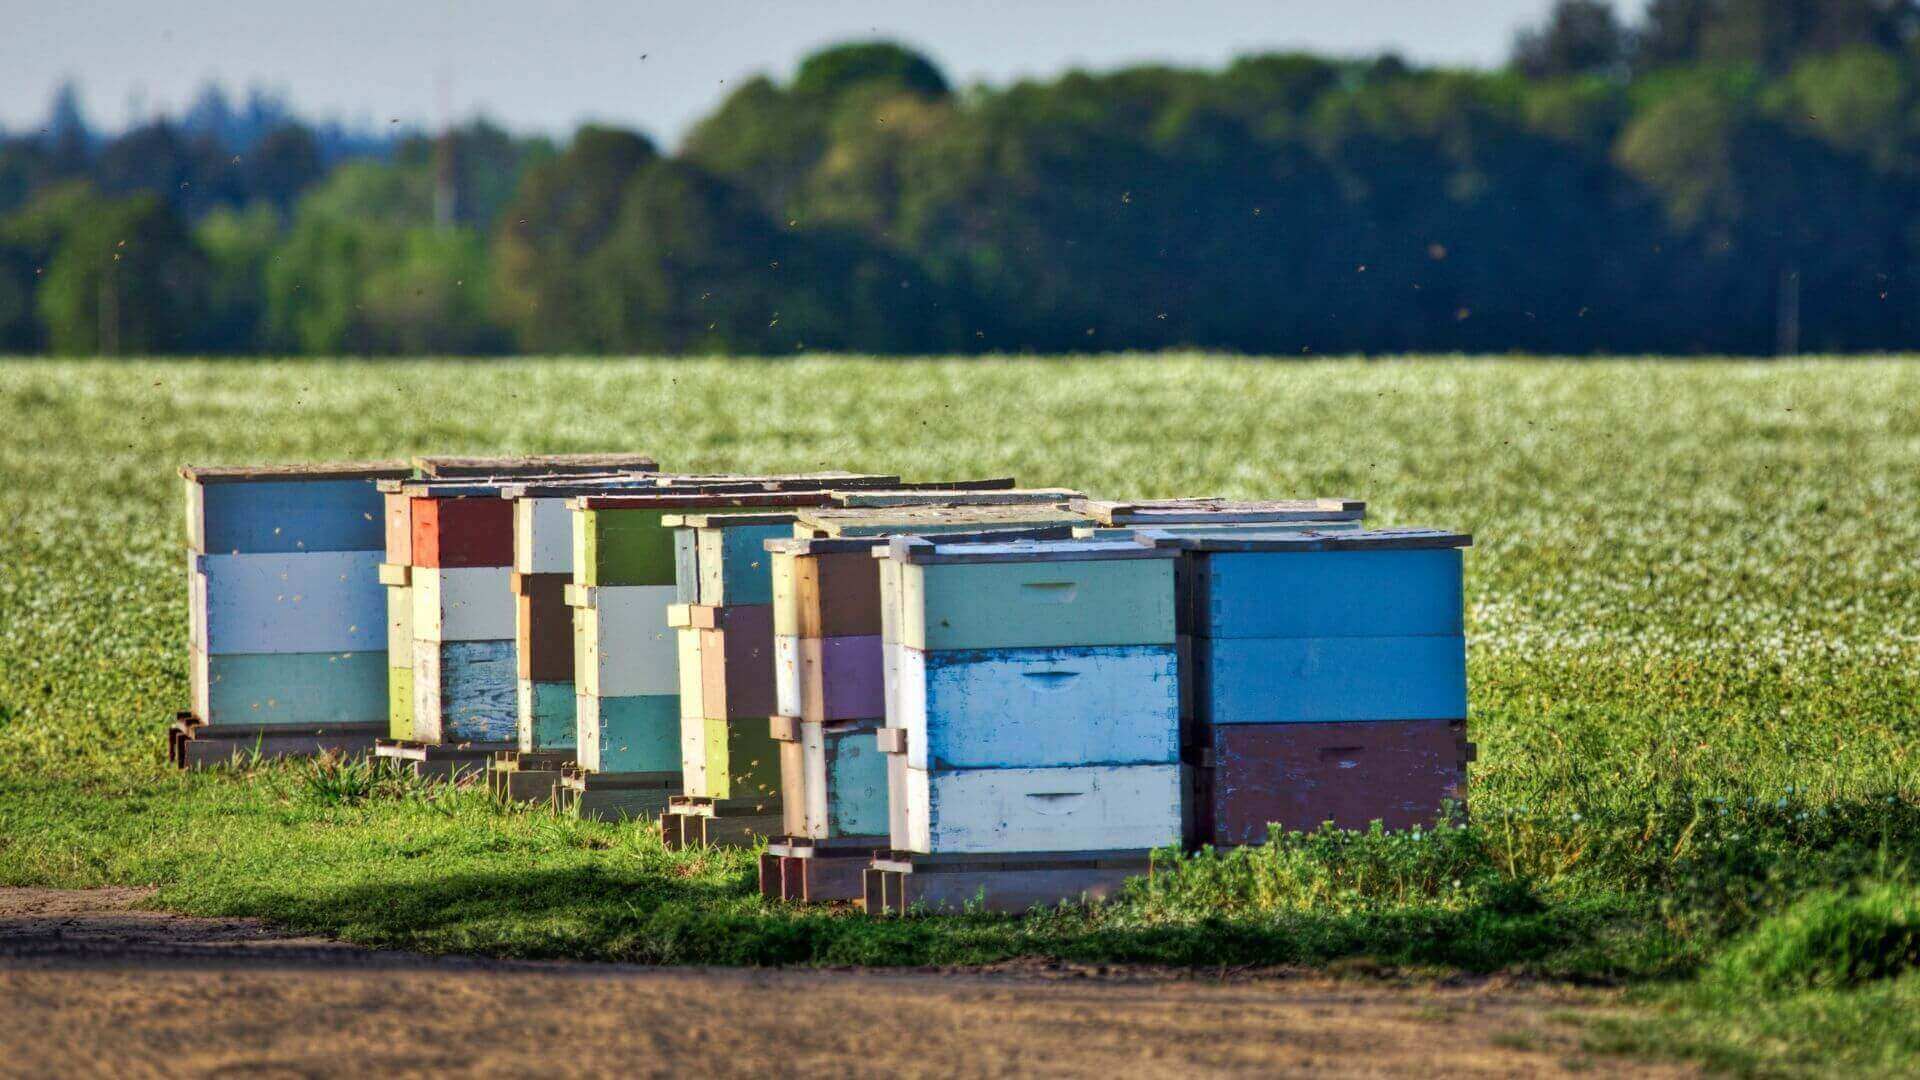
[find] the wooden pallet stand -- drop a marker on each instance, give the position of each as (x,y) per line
(194,745)
(903,882)
(453,762)
(616,797)
(808,871)
(527,776)
(692,821)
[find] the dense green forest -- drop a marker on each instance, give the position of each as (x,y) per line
(1720,176)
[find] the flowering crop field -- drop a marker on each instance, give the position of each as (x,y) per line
(1693,616)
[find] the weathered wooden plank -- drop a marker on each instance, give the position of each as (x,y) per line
(932,520)
(465,692)
(737,666)
(400,699)
(1330,539)
(1351,774)
(473,603)
(542,536)
(1039,708)
(547,715)
(619,797)
(708,495)
(1219,511)
(928,551)
(622,547)
(462,532)
(1301,680)
(1328,594)
(397,526)
(692,673)
(953,496)
(520,464)
(837,595)
(1038,605)
(322,601)
(841,678)
(341,470)
(851,774)
(686,566)
(1019,810)
(1254,529)
(733,563)
(1009,891)
(627,648)
(290,688)
(543,626)
(786,675)
(197,746)
(730,759)
(638,733)
(283,516)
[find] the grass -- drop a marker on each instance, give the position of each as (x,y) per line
(1695,665)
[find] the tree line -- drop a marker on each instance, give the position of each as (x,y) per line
(1732,176)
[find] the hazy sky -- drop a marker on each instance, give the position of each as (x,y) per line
(652,65)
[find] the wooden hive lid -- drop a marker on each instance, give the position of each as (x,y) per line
(877,521)
(1146,512)
(922,551)
(956,496)
(569,486)
(481,486)
(443,465)
(339,470)
(726,519)
(838,545)
(1309,540)
(813,481)
(668,499)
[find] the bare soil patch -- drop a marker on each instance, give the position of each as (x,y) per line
(97,985)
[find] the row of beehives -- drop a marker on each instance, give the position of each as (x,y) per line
(1008,711)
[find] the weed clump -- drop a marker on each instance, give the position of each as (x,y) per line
(1831,940)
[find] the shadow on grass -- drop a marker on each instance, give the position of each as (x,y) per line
(592,913)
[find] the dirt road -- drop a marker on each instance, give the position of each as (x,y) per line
(96,986)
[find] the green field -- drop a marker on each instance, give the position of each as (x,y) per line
(1695,660)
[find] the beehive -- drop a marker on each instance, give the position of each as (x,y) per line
(284,637)
(453,689)
(543,623)
(625,575)
(1347,703)
(1033,719)
(463,647)
(830,687)
(729,761)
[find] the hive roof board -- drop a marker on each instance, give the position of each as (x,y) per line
(921,520)
(810,481)
(954,495)
(439,465)
(1143,512)
(702,500)
(840,545)
(346,470)
(919,551)
(1372,540)
(725,519)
